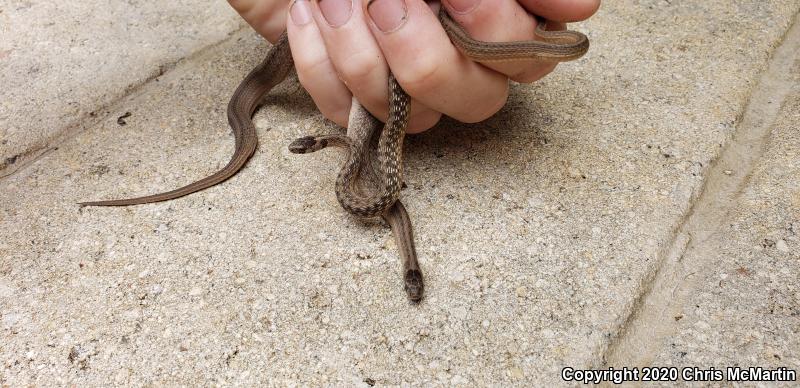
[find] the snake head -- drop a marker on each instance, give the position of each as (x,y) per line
(414,285)
(307,144)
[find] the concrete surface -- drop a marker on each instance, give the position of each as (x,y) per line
(546,233)
(63,63)
(746,310)
(726,293)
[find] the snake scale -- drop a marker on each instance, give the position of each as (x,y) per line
(369,183)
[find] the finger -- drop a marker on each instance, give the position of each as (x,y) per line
(359,62)
(314,69)
(500,21)
(428,66)
(268,18)
(562,10)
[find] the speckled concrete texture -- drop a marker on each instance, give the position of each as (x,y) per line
(747,310)
(64,62)
(537,230)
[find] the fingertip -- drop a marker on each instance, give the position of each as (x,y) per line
(267,18)
(423,121)
(313,65)
(387,15)
(488,107)
(339,116)
(535,74)
(273,28)
(300,12)
(584,9)
(562,10)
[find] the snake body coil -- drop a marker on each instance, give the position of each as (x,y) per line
(370,180)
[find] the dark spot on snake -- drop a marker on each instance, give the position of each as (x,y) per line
(302,145)
(369,382)
(11,160)
(121,119)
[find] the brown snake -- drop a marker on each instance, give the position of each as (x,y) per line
(370,180)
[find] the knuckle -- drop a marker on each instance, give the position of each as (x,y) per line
(254,13)
(358,67)
(273,28)
(422,76)
(312,66)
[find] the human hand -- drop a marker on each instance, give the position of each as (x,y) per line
(340,49)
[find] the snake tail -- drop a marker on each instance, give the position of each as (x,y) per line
(243,104)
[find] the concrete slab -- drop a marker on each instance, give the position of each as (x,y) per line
(746,311)
(537,229)
(721,299)
(63,63)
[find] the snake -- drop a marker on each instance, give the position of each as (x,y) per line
(369,183)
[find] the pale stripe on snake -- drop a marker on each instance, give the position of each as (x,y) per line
(370,180)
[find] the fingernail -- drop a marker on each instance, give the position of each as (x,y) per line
(336,12)
(301,12)
(388,15)
(463,6)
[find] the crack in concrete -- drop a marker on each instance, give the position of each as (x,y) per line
(653,316)
(89,120)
